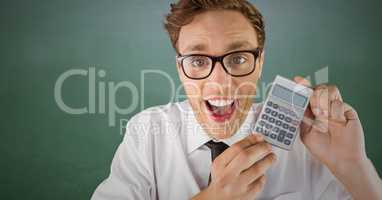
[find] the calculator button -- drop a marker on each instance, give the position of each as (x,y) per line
(278,123)
(281,137)
(289,135)
(266,132)
(276,129)
(273,136)
(261,123)
(267,110)
(264,116)
(259,129)
(292,129)
(269,103)
(271,119)
(286,126)
(288,119)
(268,126)
(281,116)
(287,142)
(282,132)
(274,113)
(294,122)
(275,106)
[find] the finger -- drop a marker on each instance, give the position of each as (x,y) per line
(255,188)
(350,113)
(337,112)
(328,93)
(315,101)
(258,169)
(319,102)
(307,121)
(302,81)
(320,122)
(226,157)
(249,156)
(321,125)
(258,111)
(334,93)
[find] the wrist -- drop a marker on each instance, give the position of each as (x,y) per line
(351,169)
(360,179)
(204,194)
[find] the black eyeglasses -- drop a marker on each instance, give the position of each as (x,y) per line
(237,63)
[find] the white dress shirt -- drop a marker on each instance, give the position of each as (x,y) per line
(163,156)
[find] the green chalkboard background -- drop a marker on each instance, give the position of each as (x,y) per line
(46,153)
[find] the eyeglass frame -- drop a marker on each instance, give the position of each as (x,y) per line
(255,52)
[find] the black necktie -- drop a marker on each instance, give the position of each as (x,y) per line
(216,149)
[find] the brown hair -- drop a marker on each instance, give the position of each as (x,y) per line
(183,11)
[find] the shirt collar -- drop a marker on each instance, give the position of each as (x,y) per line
(197,137)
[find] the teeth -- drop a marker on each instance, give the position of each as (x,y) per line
(220,103)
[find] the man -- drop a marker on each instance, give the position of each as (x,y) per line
(172,152)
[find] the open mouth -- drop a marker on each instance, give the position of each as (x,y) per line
(221,110)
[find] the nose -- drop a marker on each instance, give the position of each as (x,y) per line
(218,75)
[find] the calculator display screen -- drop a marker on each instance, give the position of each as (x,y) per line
(289,96)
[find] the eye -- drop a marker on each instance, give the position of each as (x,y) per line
(238,59)
(199,62)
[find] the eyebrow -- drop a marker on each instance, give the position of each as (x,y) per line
(197,47)
(238,45)
(233,46)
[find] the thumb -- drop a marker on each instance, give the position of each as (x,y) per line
(350,113)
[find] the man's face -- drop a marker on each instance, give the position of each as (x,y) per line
(220,102)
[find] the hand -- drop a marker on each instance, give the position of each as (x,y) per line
(238,173)
(331,129)
(333,133)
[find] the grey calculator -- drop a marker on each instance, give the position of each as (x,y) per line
(282,112)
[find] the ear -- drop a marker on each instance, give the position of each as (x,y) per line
(178,69)
(177,64)
(261,61)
